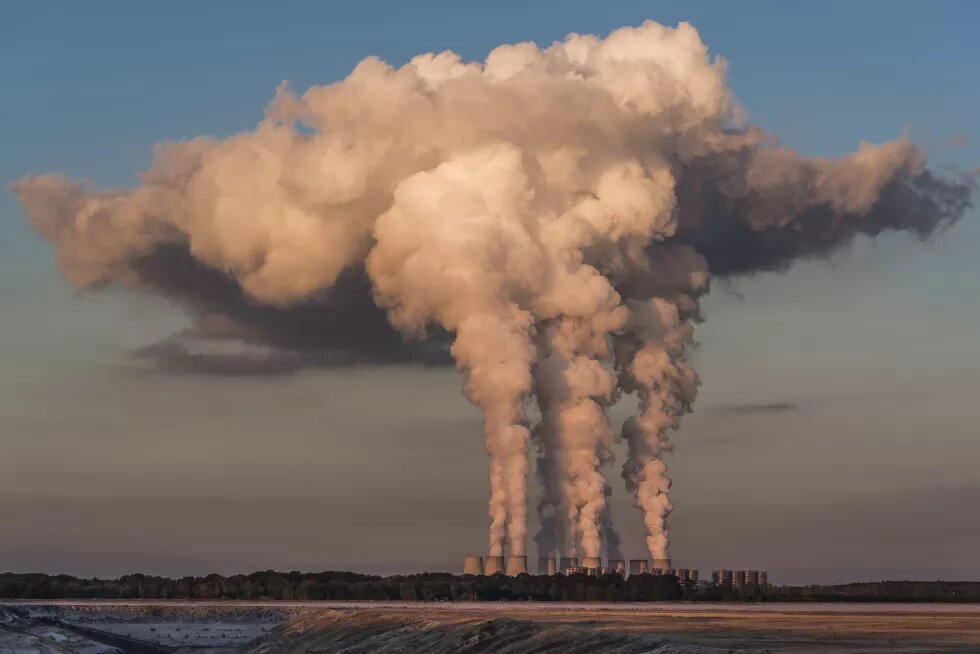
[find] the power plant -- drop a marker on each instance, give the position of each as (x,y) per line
(592,566)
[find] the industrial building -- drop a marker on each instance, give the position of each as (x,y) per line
(686,574)
(740,578)
(592,566)
(722,577)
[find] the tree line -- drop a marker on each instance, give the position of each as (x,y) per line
(336,585)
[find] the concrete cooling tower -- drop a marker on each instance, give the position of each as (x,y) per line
(638,566)
(546,565)
(473,565)
(494,566)
(516,565)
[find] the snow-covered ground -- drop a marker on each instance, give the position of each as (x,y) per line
(48,640)
(188,633)
(90,628)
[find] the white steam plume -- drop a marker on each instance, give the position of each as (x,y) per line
(531,208)
(455,248)
(573,389)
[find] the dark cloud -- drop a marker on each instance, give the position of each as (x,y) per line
(753,408)
(725,227)
(341,328)
(172,355)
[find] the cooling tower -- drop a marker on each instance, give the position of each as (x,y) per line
(592,565)
(473,565)
(638,566)
(546,565)
(661,564)
(617,566)
(567,562)
(494,566)
(516,565)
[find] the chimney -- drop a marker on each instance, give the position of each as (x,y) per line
(495,565)
(473,565)
(516,565)
(546,565)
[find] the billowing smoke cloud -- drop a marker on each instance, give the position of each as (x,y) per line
(555,214)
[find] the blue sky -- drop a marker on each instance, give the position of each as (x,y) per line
(110,469)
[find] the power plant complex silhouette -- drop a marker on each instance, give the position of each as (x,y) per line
(592,566)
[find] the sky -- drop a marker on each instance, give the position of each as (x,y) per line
(836,433)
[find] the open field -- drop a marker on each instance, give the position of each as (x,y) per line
(352,627)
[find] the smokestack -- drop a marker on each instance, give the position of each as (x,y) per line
(617,566)
(661,564)
(638,566)
(473,565)
(568,562)
(592,565)
(494,566)
(516,565)
(546,565)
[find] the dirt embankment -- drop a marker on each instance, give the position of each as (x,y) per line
(375,632)
(357,631)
